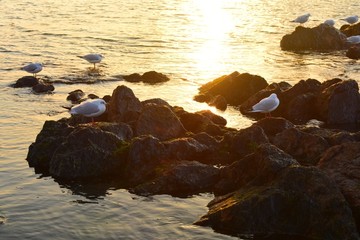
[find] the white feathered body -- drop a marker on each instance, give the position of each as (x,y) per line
(33,68)
(351,19)
(90,108)
(302,19)
(266,105)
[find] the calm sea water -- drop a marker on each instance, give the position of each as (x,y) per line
(191,41)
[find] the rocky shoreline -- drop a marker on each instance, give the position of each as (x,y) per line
(281,178)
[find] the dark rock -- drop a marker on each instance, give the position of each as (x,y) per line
(107,98)
(135,77)
(146,154)
(351,30)
(187,149)
(219,102)
(235,87)
(154,77)
(87,153)
(92,96)
(122,130)
(183,178)
(246,141)
(124,106)
(156,101)
(75,96)
(340,103)
(258,168)
(27,81)
(300,202)
(342,164)
(322,37)
(213,117)
(201,121)
(43,88)
(202,98)
(47,141)
(159,121)
(304,147)
(353,52)
(151,77)
(272,125)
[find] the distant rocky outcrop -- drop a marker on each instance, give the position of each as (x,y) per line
(151,77)
(320,38)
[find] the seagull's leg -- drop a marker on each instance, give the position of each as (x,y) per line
(94,66)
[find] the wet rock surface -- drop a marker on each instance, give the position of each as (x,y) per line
(260,175)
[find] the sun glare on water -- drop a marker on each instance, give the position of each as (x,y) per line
(216,24)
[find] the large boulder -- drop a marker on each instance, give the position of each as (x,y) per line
(342,164)
(51,136)
(86,153)
(306,148)
(340,103)
(257,168)
(245,141)
(159,121)
(124,106)
(235,87)
(301,203)
(322,37)
(181,179)
(146,155)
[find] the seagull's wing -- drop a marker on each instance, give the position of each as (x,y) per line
(31,67)
(264,105)
(85,109)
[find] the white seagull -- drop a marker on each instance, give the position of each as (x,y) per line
(351,19)
(90,108)
(330,22)
(33,68)
(353,39)
(266,105)
(93,58)
(302,19)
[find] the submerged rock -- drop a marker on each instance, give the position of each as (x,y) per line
(321,37)
(353,52)
(151,77)
(43,88)
(27,81)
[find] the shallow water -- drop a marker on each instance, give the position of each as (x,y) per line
(191,41)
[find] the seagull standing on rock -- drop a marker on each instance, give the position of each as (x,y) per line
(351,19)
(93,58)
(353,39)
(33,68)
(302,19)
(90,108)
(330,22)
(266,105)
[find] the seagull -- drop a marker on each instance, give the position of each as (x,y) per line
(330,22)
(92,58)
(90,108)
(351,19)
(302,19)
(353,39)
(33,68)
(266,105)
